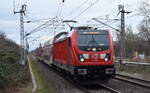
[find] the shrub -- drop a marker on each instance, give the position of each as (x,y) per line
(11,72)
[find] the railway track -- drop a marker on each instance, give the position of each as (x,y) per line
(104,88)
(112,87)
(109,89)
(99,88)
(85,90)
(132,80)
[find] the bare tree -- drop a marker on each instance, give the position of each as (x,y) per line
(130,42)
(144,27)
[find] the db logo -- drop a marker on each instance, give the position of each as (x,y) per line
(95,56)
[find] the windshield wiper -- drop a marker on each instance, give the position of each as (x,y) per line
(92,41)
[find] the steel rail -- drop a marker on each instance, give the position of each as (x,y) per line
(111,90)
(68,80)
(138,79)
(131,80)
(81,88)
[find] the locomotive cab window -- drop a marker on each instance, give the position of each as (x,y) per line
(93,40)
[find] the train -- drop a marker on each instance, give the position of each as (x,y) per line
(83,53)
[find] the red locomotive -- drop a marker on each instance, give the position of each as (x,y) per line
(84,52)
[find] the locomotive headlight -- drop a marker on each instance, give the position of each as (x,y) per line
(81,59)
(106,57)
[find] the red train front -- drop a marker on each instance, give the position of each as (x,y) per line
(84,52)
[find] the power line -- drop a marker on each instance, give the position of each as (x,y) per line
(92,4)
(77,8)
(60,8)
(52,21)
(14,6)
(29,19)
(36,38)
(136,14)
(39,28)
(106,25)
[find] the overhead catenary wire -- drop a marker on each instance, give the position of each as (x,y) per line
(60,8)
(133,15)
(32,20)
(14,9)
(57,13)
(92,4)
(38,38)
(82,12)
(45,25)
(35,39)
(106,25)
(39,27)
(77,8)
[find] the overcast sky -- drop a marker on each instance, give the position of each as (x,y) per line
(43,9)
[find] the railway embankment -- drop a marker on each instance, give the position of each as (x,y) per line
(13,76)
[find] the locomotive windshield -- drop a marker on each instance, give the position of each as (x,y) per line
(93,40)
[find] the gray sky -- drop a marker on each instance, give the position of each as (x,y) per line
(43,9)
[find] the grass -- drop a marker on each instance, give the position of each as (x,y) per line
(41,85)
(142,70)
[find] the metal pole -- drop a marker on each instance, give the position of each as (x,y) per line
(122,34)
(22,37)
(122,48)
